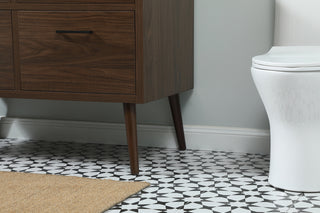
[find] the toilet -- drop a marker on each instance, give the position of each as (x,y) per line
(288,81)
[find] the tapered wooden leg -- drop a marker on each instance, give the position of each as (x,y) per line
(131,126)
(177,119)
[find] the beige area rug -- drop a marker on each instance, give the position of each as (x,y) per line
(23,192)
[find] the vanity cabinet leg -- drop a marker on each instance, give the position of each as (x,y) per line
(177,119)
(131,127)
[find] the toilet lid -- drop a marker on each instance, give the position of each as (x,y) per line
(289,58)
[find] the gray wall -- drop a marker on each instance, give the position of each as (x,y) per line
(227,34)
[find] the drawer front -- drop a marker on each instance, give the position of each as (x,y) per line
(6,57)
(86,52)
(77,1)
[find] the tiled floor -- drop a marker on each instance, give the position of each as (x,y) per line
(181,181)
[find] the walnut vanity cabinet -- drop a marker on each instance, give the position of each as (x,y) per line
(126,51)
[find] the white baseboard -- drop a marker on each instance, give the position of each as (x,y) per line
(197,137)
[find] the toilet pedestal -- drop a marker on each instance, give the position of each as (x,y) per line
(295,158)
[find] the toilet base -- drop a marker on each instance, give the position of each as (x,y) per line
(292,101)
(295,159)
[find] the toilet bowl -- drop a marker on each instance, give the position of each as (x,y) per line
(288,81)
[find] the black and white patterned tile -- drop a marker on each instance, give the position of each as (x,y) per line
(181,181)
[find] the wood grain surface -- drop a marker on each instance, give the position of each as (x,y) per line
(168,27)
(6,54)
(153,40)
(99,62)
(77,1)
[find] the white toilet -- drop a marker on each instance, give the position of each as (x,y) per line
(288,81)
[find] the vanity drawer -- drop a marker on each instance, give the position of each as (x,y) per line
(78,1)
(6,57)
(81,52)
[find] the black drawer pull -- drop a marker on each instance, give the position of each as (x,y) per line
(74,31)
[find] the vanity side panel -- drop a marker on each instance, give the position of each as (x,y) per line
(168,47)
(6,51)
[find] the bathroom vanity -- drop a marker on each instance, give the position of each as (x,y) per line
(126,51)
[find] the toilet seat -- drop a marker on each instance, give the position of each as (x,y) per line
(289,59)
(285,69)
